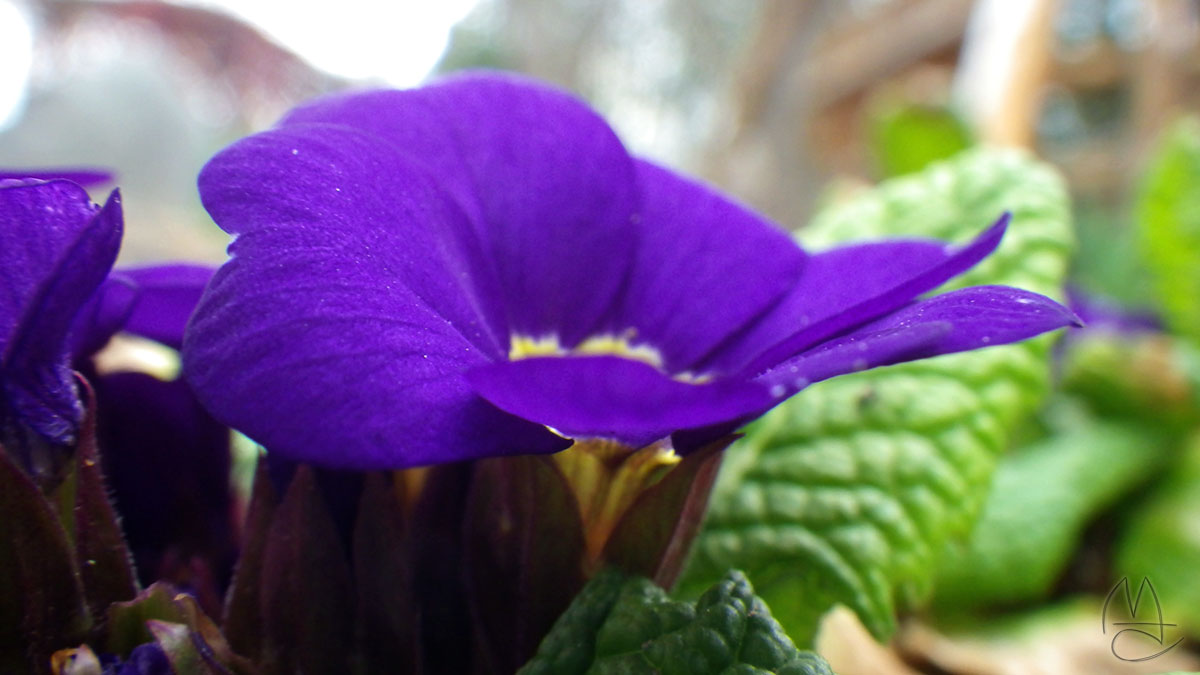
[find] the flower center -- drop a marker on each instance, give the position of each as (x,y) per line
(607,477)
(523,347)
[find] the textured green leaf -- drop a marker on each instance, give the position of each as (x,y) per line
(624,625)
(848,492)
(1042,497)
(908,138)
(1162,544)
(1168,220)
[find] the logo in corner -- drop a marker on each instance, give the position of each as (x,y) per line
(1134,639)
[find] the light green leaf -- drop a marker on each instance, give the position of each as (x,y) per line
(908,138)
(1168,222)
(628,626)
(848,492)
(1042,497)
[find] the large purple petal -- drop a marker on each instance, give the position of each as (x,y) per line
(970,318)
(848,286)
(166,297)
(58,249)
(611,397)
(339,330)
(552,187)
(706,266)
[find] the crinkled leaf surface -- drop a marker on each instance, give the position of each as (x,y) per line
(1168,222)
(848,492)
(1042,497)
(628,625)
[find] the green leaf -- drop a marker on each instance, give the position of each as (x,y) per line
(848,492)
(908,138)
(1161,544)
(628,625)
(1168,222)
(1042,497)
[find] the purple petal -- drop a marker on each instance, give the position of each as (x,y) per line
(105,313)
(379,221)
(58,249)
(167,295)
(611,397)
(848,286)
(339,330)
(546,179)
(970,318)
(84,176)
(706,266)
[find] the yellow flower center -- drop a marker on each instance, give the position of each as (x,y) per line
(605,344)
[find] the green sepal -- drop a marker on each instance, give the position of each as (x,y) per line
(242,617)
(306,597)
(105,562)
(848,492)
(190,640)
(523,555)
(655,535)
(42,604)
(387,613)
(628,625)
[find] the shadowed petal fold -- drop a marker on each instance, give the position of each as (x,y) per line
(611,397)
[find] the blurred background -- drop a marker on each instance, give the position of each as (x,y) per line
(784,103)
(769,99)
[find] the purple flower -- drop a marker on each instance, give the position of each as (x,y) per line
(58,248)
(451,272)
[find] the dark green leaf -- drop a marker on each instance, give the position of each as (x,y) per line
(849,492)
(622,624)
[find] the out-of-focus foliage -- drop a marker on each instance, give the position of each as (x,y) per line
(1041,498)
(1162,543)
(1168,220)
(848,492)
(908,138)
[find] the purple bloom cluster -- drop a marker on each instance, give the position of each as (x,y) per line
(479,268)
